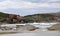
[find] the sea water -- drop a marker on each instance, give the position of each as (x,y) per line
(43,25)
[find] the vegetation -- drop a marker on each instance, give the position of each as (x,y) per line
(33,18)
(3,15)
(40,17)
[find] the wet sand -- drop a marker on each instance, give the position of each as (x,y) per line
(39,32)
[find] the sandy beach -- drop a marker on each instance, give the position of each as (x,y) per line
(38,32)
(23,31)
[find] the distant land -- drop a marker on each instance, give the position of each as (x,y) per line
(49,17)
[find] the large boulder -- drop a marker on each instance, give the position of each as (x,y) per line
(31,27)
(55,27)
(11,16)
(27,27)
(14,18)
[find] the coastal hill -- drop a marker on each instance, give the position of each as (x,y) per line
(9,18)
(3,15)
(49,17)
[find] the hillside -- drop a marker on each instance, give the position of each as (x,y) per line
(49,17)
(40,17)
(3,15)
(52,17)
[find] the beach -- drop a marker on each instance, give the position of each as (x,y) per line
(41,31)
(38,32)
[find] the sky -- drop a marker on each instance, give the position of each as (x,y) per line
(28,7)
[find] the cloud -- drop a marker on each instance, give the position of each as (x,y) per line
(54,0)
(24,4)
(41,1)
(29,6)
(8,4)
(2,0)
(30,11)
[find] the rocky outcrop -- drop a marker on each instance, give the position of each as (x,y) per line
(16,18)
(55,27)
(13,18)
(27,27)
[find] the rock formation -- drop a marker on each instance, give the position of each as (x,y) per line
(13,18)
(55,27)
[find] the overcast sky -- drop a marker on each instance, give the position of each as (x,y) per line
(27,7)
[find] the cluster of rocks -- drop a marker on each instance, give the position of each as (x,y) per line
(7,27)
(13,18)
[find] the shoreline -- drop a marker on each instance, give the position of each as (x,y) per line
(38,32)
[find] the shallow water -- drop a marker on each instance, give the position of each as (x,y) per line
(43,25)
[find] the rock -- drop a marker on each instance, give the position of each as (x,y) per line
(55,27)
(27,27)
(31,27)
